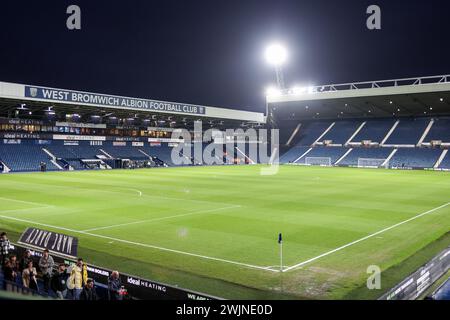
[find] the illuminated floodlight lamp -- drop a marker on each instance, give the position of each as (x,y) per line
(276,54)
(298,90)
(273,91)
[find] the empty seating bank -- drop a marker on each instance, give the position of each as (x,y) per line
(394,143)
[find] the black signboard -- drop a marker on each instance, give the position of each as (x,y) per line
(58,243)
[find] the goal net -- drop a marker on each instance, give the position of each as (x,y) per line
(318,161)
(372,163)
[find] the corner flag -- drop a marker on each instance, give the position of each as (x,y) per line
(280,242)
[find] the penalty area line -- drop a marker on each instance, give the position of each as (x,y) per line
(27,202)
(365,238)
(159,219)
(140,244)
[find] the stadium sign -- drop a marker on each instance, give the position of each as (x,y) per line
(21,121)
(78,97)
(23,135)
(58,243)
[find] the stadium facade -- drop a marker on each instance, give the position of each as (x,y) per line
(55,129)
(403,123)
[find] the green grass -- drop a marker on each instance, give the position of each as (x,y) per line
(186,219)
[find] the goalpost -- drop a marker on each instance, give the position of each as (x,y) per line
(318,161)
(372,163)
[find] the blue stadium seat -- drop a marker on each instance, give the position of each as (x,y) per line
(439,131)
(445,164)
(342,131)
(25,156)
(293,154)
(75,152)
(123,152)
(310,131)
(334,153)
(374,130)
(367,153)
(408,131)
(415,157)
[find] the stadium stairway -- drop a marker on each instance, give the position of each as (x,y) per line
(444,160)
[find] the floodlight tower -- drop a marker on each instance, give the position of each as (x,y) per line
(276,55)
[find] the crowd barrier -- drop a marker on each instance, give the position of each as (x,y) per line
(415,284)
(137,288)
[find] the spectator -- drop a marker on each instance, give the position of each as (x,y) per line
(46,264)
(8,271)
(58,282)
(77,279)
(4,247)
(29,277)
(88,292)
(114,286)
(15,266)
(25,259)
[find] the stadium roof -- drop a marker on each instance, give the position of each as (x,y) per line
(64,101)
(402,97)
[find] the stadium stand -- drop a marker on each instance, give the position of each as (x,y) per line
(342,131)
(289,128)
(374,130)
(25,156)
(445,164)
(76,151)
(439,131)
(415,157)
(334,153)
(293,154)
(365,153)
(162,152)
(124,152)
(311,131)
(408,131)
(404,133)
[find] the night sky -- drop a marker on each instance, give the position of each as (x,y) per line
(211,52)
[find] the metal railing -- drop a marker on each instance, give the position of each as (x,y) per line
(369,85)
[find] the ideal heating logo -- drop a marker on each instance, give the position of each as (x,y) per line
(146,284)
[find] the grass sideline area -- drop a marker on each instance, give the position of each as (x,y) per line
(214,229)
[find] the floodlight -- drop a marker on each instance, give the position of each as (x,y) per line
(276,55)
(298,90)
(273,91)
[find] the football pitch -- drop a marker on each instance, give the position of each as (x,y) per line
(215,229)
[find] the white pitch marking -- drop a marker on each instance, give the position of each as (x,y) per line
(26,209)
(140,244)
(365,238)
(26,202)
(159,219)
(125,188)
